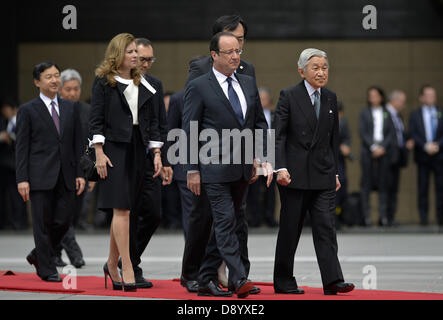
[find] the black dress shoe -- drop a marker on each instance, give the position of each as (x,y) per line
(32,260)
(190,285)
(141,282)
(294,290)
(340,287)
(254,290)
(53,278)
(211,289)
(59,262)
(78,263)
(242,288)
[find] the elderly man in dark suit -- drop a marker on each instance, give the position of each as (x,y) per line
(49,145)
(199,217)
(221,100)
(307,141)
(70,89)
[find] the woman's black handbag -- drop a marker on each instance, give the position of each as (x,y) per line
(87,164)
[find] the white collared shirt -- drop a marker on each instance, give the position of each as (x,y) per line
(377,115)
(47,101)
(131,95)
(311,91)
(222,80)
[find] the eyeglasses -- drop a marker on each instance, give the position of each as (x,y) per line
(148,60)
(231,52)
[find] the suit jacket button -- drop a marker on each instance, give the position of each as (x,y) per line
(303,133)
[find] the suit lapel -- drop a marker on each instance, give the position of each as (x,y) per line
(219,91)
(121,89)
(306,107)
(43,111)
(143,95)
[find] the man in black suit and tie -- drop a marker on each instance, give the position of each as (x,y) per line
(47,155)
(222,100)
(426,129)
(399,150)
(306,162)
(199,217)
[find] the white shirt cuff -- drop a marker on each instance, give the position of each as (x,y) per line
(155,144)
(280,170)
(192,171)
(96,138)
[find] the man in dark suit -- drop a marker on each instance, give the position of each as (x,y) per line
(145,220)
(70,89)
(426,129)
(377,136)
(261,200)
(306,163)
(199,218)
(222,100)
(399,150)
(174,122)
(47,155)
(8,187)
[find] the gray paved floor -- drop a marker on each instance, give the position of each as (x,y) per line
(403,261)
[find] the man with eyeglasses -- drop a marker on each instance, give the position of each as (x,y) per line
(147,215)
(219,100)
(198,216)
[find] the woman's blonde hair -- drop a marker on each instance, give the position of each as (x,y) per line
(114,55)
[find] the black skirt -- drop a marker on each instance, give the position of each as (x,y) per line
(124,181)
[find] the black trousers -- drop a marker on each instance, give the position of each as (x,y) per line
(261,203)
(69,243)
(52,213)
(294,205)
(393,183)
(374,174)
(146,218)
(186,198)
(199,230)
(424,172)
(228,241)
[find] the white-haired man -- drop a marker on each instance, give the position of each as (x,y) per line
(307,142)
(70,89)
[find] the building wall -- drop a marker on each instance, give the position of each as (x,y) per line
(354,66)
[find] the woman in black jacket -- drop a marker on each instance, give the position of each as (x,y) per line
(123,125)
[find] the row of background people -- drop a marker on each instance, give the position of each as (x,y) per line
(384,152)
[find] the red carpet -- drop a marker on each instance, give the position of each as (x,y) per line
(171,289)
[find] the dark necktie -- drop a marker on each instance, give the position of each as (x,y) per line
(399,129)
(235,101)
(317,103)
(55,117)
